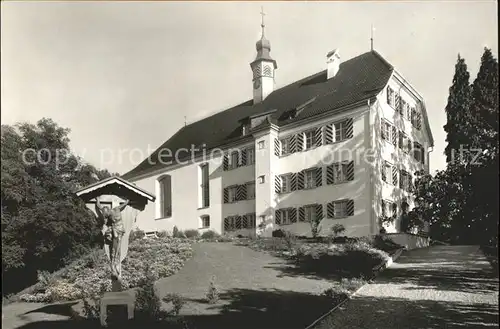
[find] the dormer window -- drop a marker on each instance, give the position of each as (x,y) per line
(245,129)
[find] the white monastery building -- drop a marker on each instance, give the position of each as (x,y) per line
(341,145)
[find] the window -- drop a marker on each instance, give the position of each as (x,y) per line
(390,96)
(404,142)
(340,131)
(205,221)
(310,213)
(234,160)
(262,179)
(251,191)
(285,146)
(250,220)
(386,129)
(285,217)
(261,145)
(204,186)
(405,180)
(339,172)
(309,179)
(232,192)
(402,107)
(387,208)
(418,152)
(165,183)
(309,139)
(340,208)
(413,116)
(286,183)
(251,156)
(394,210)
(386,172)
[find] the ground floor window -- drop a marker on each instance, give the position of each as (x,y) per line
(205,221)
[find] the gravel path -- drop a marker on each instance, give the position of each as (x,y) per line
(438,287)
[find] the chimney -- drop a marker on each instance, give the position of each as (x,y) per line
(332,63)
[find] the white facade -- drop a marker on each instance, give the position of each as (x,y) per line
(365,188)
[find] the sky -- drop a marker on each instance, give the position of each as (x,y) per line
(124,76)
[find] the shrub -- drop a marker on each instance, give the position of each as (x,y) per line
(279,233)
(213,292)
(336,294)
(192,234)
(177,302)
(337,229)
(175,232)
(63,290)
(290,240)
(209,235)
(136,235)
(162,234)
(351,285)
(316,227)
(385,244)
(147,302)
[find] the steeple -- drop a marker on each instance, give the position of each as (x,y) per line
(263,67)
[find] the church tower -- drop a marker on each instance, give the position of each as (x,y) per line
(263,68)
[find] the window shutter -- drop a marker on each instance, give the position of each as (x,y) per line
(394,176)
(350,171)
(350,207)
(302,214)
(329,175)
(226,195)
(330,210)
(293,144)
(419,120)
(329,134)
(348,129)
(245,221)
(227,225)
(422,152)
(319,211)
(382,129)
(318,136)
(241,192)
(225,162)
(299,147)
(401,179)
(293,215)
(389,95)
(243,158)
(300,180)
(277,184)
(293,182)
(277,146)
(277,217)
(238,223)
(394,136)
(318,176)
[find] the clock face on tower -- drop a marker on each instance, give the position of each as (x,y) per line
(256,84)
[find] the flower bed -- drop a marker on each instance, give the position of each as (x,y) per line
(91,274)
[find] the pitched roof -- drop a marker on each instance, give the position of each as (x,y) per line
(358,79)
(112,185)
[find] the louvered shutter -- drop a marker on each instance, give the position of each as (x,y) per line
(350,171)
(329,134)
(299,145)
(277,184)
(293,182)
(277,147)
(225,162)
(244,221)
(394,136)
(330,210)
(318,176)
(419,120)
(302,214)
(422,160)
(349,129)
(300,180)
(238,223)
(329,175)
(318,136)
(293,144)
(319,211)
(394,176)
(293,215)
(243,158)
(350,207)
(382,129)
(241,192)
(226,195)
(227,224)
(277,217)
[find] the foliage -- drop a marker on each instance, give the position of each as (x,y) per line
(43,223)
(192,234)
(336,229)
(177,302)
(147,301)
(336,294)
(136,235)
(175,232)
(162,234)
(209,235)
(162,257)
(316,226)
(290,240)
(213,292)
(279,233)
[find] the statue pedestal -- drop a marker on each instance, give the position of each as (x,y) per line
(117,298)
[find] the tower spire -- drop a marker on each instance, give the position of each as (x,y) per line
(371,39)
(262,25)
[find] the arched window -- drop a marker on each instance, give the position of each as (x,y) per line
(165,184)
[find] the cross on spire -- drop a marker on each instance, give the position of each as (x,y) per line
(262,24)
(371,39)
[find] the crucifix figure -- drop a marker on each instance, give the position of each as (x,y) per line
(113,231)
